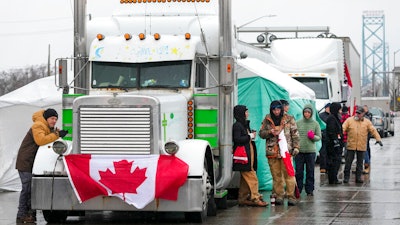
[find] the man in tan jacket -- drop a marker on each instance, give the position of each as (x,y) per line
(357,129)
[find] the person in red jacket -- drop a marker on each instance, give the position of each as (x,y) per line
(43,131)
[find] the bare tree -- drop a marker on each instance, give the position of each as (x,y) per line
(15,78)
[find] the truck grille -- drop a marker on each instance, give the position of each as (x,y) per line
(115,130)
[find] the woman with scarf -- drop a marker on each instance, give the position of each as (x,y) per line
(271,127)
(243,136)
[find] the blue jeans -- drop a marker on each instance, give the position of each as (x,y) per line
(367,155)
(24,206)
(366,158)
(307,160)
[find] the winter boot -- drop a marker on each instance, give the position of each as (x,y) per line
(366,168)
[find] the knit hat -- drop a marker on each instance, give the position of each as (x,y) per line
(327,105)
(275,104)
(345,109)
(284,102)
(49,113)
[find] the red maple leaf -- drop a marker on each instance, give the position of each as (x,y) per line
(123,181)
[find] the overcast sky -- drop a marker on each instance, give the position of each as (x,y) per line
(28,27)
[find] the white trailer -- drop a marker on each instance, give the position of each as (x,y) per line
(320,63)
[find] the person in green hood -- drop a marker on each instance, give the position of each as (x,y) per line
(309,132)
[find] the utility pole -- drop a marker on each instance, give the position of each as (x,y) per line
(48,62)
(394,80)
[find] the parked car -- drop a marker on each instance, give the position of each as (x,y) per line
(390,117)
(380,121)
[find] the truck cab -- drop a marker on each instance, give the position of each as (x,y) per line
(165,87)
(320,83)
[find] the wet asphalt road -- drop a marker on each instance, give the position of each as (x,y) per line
(376,201)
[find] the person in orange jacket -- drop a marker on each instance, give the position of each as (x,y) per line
(43,131)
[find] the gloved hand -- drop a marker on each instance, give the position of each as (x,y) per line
(310,134)
(62,133)
(295,151)
(379,142)
(336,143)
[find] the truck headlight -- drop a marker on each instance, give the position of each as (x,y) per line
(60,147)
(171,147)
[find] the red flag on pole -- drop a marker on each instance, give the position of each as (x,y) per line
(348,77)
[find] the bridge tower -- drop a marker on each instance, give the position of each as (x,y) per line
(374,54)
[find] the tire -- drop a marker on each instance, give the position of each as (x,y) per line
(222,203)
(55,216)
(209,207)
(382,134)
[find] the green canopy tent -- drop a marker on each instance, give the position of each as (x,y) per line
(258,85)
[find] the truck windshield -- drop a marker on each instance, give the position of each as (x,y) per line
(317,84)
(174,74)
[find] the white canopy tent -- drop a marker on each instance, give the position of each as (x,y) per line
(16,109)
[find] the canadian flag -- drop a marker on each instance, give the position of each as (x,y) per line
(137,180)
(284,152)
(349,82)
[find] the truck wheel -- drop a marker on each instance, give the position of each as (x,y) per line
(55,216)
(209,207)
(222,203)
(233,193)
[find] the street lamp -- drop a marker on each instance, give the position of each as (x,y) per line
(269,15)
(394,79)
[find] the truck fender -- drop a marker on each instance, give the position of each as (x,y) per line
(47,161)
(193,153)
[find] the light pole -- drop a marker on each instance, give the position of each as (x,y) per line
(251,21)
(394,80)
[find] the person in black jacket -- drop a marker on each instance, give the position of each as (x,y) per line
(334,145)
(322,152)
(243,136)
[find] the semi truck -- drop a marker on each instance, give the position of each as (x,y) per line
(157,78)
(328,65)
